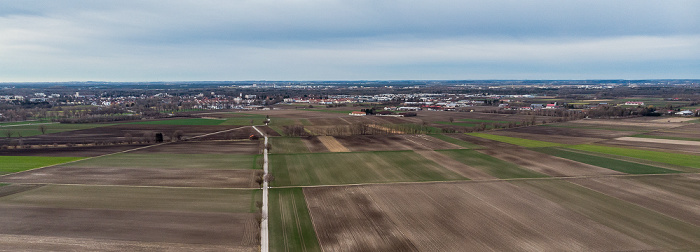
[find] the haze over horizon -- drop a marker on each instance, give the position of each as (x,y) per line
(45,40)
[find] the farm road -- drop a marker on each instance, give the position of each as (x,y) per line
(264,233)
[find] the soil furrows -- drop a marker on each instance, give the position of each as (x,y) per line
(456,166)
(546,164)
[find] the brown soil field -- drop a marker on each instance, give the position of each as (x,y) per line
(53,243)
(682,205)
(332,144)
(117,133)
(81,151)
(495,216)
(662,141)
(547,138)
(328,121)
(455,166)
(394,142)
(688,131)
(633,122)
(136,177)
(547,131)
(207,147)
(674,119)
(653,146)
(314,144)
(236,229)
(485,142)
(432,116)
(546,164)
(240,132)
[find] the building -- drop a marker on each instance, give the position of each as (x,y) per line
(633,103)
(357,113)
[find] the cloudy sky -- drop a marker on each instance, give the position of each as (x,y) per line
(57,40)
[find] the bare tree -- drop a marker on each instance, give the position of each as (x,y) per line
(8,134)
(42,128)
(178,134)
(129,138)
(451,120)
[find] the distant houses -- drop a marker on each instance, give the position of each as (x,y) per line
(634,103)
(358,113)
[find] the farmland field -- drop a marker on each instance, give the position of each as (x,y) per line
(11,164)
(288,145)
(613,164)
(290,223)
(490,165)
(24,130)
(355,167)
(657,156)
(516,141)
(189,121)
(172,161)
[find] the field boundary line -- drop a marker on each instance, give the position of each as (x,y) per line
(264,223)
(311,218)
(487,180)
(143,186)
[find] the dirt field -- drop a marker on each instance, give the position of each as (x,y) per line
(314,145)
(141,226)
(502,217)
(332,144)
(546,164)
(547,138)
(661,141)
(394,142)
(651,124)
(561,132)
(137,177)
(82,151)
(679,204)
(207,147)
(455,166)
(674,119)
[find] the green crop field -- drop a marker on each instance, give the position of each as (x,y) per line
(355,167)
(609,163)
(287,145)
(4,124)
(33,130)
(491,165)
(517,141)
(174,161)
(188,121)
(456,141)
(12,164)
(139,198)
(596,127)
(656,156)
(290,223)
(628,218)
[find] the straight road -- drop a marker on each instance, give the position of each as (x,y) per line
(264,234)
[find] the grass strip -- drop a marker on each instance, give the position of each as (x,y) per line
(188,121)
(609,163)
(656,156)
(491,165)
(12,164)
(290,222)
(516,141)
(456,141)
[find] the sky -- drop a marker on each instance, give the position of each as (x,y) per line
(297,40)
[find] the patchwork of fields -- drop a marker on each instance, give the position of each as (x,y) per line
(557,187)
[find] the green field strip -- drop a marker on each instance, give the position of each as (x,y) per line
(290,223)
(516,141)
(286,145)
(172,161)
(491,165)
(136,198)
(278,129)
(188,121)
(637,160)
(256,199)
(456,141)
(12,164)
(356,168)
(305,122)
(33,130)
(641,223)
(3,124)
(609,163)
(666,137)
(656,156)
